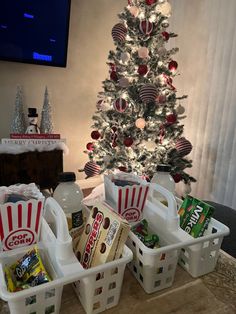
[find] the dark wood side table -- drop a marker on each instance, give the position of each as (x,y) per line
(41,168)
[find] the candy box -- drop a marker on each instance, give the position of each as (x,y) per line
(127,194)
(195,216)
(103,238)
(20,215)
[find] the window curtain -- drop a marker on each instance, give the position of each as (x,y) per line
(207,74)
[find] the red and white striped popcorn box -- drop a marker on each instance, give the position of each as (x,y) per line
(20,223)
(127,200)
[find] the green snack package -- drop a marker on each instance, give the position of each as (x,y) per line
(195,216)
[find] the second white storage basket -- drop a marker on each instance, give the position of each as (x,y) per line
(155,268)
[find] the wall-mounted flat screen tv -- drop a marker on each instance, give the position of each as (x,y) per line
(34,31)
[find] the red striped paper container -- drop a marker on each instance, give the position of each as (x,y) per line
(128,200)
(20,223)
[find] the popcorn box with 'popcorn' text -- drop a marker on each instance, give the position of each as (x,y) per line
(127,194)
(20,221)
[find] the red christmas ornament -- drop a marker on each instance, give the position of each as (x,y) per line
(119,32)
(112,66)
(113,76)
(148,93)
(146,27)
(122,168)
(150,2)
(120,105)
(91,169)
(177,177)
(173,65)
(128,141)
(114,129)
(166,35)
(142,69)
(161,99)
(90,146)
(95,135)
(171,118)
(183,146)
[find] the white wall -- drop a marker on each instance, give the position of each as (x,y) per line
(73,89)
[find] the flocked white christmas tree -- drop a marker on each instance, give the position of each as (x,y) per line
(137,123)
(46,125)
(18,124)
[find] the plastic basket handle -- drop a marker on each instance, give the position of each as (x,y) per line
(63,243)
(172,217)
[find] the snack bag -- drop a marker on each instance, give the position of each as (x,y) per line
(27,272)
(195,216)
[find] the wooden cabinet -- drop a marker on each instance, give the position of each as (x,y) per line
(42,168)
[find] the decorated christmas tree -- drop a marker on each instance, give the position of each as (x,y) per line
(46,125)
(137,122)
(18,124)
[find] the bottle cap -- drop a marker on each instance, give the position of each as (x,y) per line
(163,168)
(67,176)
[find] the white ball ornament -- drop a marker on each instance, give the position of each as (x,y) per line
(162,51)
(134,11)
(143,52)
(180,109)
(125,57)
(124,82)
(164,8)
(140,123)
(107,159)
(105,106)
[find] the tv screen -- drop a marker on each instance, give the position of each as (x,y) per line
(34,31)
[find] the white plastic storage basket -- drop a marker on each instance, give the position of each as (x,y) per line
(201,258)
(61,263)
(155,268)
(101,290)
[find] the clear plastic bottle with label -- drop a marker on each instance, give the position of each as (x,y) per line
(163,178)
(69,196)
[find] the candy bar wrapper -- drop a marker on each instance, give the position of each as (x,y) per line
(20,220)
(195,216)
(127,194)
